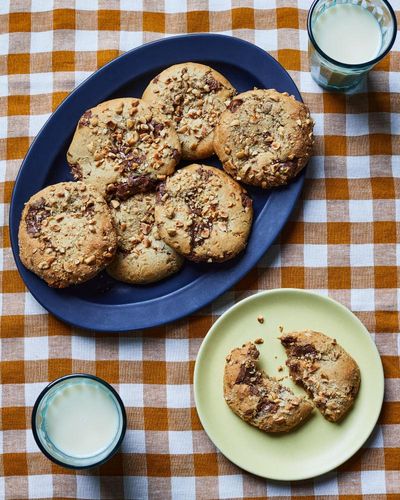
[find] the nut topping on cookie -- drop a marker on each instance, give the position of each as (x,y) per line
(203,214)
(192,96)
(259,140)
(119,147)
(142,257)
(57,236)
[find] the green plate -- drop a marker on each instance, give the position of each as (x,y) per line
(316,447)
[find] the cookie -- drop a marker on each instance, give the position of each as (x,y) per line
(258,399)
(203,214)
(264,138)
(325,370)
(142,257)
(122,147)
(66,234)
(192,96)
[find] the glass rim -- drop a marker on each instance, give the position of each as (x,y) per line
(47,389)
(348,65)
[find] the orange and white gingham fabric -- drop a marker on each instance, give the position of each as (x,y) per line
(342,241)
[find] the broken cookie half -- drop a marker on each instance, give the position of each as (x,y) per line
(258,399)
(324,369)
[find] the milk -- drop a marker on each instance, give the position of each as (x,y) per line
(81,419)
(348,34)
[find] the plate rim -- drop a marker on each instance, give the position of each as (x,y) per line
(277,291)
(54,303)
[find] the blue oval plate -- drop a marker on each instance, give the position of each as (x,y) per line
(104,304)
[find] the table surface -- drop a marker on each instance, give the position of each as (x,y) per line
(341,241)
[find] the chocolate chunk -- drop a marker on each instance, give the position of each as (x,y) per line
(289,164)
(157,127)
(213,83)
(37,212)
(133,185)
(293,366)
(267,406)
(247,202)
(245,374)
(111,125)
(286,341)
(176,155)
(241,375)
(253,390)
(306,350)
(156,79)
(233,106)
(160,191)
(205,174)
(89,211)
(267,136)
(85,119)
(76,171)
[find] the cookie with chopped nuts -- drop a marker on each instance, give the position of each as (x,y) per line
(203,214)
(122,147)
(258,399)
(142,256)
(264,138)
(66,234)
(324,369)
(192,96)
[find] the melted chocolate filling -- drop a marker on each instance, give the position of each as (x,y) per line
(234,105)
(267,406)
(85,118)
(134,184)
(213,83)
(37,212)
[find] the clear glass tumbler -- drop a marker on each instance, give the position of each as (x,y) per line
(335,75)
(39,418)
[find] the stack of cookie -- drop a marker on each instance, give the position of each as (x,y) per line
(125,153)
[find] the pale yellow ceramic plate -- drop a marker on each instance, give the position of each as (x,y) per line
(318,446)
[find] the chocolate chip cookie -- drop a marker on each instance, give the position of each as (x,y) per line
(259,399)
(325,370)
(66,234)
(122,147)
(192,96)
(264,138)
(203,214)
(142,256)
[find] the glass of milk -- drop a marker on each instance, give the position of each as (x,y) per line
(79,421)
(347,38)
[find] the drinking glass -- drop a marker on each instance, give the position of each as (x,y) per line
(39,422)
(336,75)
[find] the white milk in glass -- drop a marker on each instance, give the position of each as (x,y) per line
(82,420)
(348,34)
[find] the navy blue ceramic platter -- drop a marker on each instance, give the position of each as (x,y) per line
(104,304)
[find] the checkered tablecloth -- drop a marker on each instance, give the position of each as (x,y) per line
(341,241)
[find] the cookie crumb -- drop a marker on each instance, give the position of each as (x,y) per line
(260,318)
(281,328)
(259,341)
(280,368)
